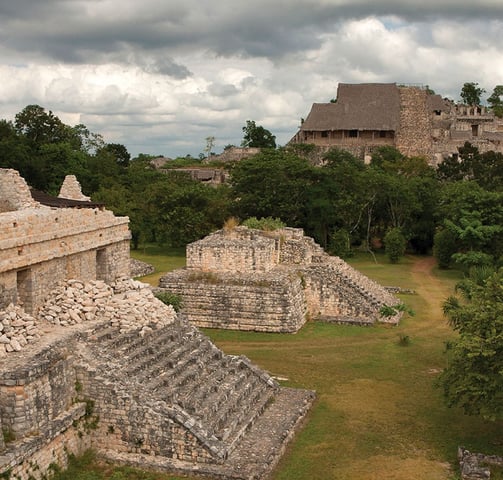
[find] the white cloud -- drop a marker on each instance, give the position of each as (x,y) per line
(161,76)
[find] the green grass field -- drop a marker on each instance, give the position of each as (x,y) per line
(378,414)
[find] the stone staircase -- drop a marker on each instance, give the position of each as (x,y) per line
(362,296)
(218,395)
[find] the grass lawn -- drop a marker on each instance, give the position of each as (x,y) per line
(378,414)
(164,259)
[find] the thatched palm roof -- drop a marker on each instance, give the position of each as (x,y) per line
(366,106)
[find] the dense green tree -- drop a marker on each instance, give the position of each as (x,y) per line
(273,183)
(484,168)
(394,244)
(445,245)
(475,216)
(406,195)
(257,136)
(471,93)
(473,379)
(337,197)
(41,127)
(119,152)
(496,101)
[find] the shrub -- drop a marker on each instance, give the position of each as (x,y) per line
(170,298)
(267,223)
(394,244)
(444,246)
(231,223)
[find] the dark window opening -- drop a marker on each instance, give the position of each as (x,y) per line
(475,130)
(353,134)
(101,265)
(24,289)
(324,134)
(382,134)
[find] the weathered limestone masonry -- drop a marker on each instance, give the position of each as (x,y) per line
(100,362)
(40,245)
(150,391)
(71,189)
(413,137)
(246,279)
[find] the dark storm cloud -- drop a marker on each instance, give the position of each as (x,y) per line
(93,31)
(162,75)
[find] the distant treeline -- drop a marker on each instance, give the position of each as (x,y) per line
(455,210)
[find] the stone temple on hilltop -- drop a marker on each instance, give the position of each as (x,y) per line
(408,117)
(91,359)
(248,279)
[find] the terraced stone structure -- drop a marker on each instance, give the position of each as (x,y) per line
(102,363)
(247,279)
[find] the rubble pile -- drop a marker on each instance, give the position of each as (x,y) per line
(126,303)
(17,329)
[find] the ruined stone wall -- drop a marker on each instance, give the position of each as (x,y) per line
(71,189)
(39,411)
(37,458)
(241,250)
(272,302)
(14,192)
(41,234)
(131,422)
(476,466)
(223,288)
(41,245)
(37,392)
(295,248)
(415,131)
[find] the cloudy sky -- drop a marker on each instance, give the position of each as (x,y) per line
(159,76)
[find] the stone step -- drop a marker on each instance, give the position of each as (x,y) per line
(151,354)
(240,409)
(239,421)
(210,381)
(196,368)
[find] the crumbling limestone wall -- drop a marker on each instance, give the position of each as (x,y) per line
(272,302)
(225,286)
(71,189)
(33,395)
(39,411)
(14,192)
(42,245)
(135,422)
(237,251)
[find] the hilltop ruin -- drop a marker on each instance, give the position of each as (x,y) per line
(408,117)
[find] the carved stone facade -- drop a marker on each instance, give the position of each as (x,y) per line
(410,118)
(246,279)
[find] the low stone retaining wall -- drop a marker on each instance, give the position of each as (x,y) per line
(272,302)
(137,268)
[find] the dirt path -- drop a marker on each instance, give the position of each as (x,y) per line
(429,286)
